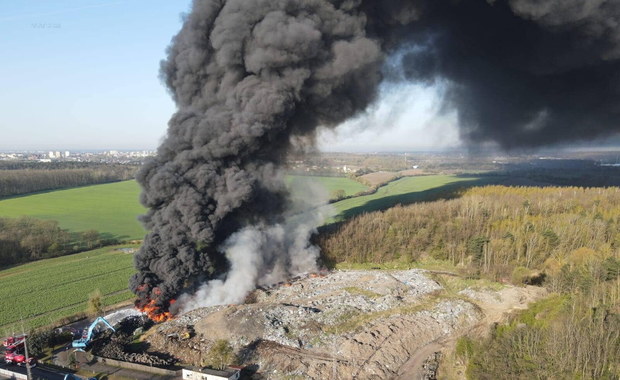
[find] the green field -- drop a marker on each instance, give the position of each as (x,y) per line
(404,191)
(330,184)
(113,208)
(110,208)
(44,291)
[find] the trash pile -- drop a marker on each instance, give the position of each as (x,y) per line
(120,345)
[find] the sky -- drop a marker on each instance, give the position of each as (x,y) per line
(83,75)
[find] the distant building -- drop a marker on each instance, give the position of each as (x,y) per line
(67,153)
(211,374)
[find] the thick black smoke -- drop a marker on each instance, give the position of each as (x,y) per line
(251,77)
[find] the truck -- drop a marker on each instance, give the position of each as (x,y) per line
(14,350)
(13,342)
(17,357)
(89,334)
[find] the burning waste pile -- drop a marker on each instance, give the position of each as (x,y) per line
(253,81)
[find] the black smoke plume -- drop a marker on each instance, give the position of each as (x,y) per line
(253,79)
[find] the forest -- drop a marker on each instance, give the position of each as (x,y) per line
(564,238)
(22,178)
(27,239)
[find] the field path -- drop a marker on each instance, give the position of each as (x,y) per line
(495,306)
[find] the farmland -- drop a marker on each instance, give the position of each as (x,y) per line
(113,208)
(47,290)
(110,208)
(403,191)
(331,184)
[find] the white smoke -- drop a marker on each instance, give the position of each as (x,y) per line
(266,255)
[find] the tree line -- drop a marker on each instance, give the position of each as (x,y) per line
(23,180)
(27,239)
(488,230)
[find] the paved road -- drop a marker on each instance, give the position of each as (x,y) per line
(38,372)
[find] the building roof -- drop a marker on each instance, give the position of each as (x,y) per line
(208,371)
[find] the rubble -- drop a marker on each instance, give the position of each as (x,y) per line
(117,345)
(347,324)
(431,366)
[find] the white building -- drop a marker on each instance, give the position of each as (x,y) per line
(211,374)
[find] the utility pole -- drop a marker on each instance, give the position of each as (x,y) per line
(28,371)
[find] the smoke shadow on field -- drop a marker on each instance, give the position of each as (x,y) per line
(448,191)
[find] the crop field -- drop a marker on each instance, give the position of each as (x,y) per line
(110,208)
(113,208)
(45,291)
(330,184)
(404,191)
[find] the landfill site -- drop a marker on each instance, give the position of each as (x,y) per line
(357,324)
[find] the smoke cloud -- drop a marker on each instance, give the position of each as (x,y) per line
(254,78)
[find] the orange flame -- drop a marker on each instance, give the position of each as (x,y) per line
(155,313)
(151,309)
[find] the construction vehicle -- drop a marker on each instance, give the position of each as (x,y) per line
(89,334)
(17,357)
(14,351)
(14,342)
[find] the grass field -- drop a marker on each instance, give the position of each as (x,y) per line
(330,184)
(113,208)
(110,208)
(403,191)
(44,291)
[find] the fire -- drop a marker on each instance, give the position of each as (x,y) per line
(155,313)
(152,309)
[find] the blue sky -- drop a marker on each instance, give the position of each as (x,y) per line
(83,74)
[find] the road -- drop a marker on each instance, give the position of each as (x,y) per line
(38,372)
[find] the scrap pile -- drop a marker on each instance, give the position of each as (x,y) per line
(120,346)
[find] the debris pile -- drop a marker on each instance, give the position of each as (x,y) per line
(345,325)
(431,366)
(119,345)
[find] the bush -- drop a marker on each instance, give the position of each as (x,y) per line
(464,348)
(220,355)
(520,275)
